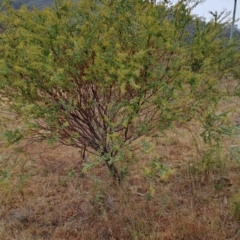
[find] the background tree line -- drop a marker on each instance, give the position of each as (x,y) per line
(16,4)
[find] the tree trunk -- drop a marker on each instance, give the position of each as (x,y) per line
(114,171)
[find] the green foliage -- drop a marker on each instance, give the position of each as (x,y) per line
(211,161)
(158,169)
(235,154)
(69,176)
(97,75)
(13,136)
(235,205)
(14,173)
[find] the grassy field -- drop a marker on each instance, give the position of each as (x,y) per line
(177,189)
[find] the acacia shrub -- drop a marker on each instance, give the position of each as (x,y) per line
(99,74)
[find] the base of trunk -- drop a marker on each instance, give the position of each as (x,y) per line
(114,171)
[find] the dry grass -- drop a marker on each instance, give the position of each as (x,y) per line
(42,198)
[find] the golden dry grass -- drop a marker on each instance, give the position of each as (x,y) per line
(41,198)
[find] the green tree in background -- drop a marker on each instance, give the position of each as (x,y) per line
(97,75)
(31,3)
